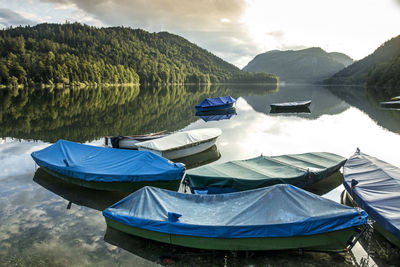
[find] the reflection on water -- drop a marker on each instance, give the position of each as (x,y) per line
(368,101)
(196,160)
(90,113)
(36,228)
(155,251)
(82,196)
(216,115)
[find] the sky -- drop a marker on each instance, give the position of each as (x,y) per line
(235,30)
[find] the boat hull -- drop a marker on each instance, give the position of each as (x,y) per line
(184,151)
(290,105)
(332,241)
(115,186)
(346,199)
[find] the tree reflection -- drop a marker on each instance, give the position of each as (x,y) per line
(85,114)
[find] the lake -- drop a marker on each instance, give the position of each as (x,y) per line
(47,222)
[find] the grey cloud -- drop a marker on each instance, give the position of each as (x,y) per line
(9,17)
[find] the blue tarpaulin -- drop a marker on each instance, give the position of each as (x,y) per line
(375,187)
(216,103)
(100,164)
(275,211)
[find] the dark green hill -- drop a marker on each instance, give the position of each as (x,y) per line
(73,53)
(381,68)
(307,65)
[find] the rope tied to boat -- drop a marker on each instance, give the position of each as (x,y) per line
(354,182)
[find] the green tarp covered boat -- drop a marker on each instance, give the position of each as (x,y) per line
(299,169)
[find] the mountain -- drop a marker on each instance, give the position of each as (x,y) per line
(76,53)
(307,65)
(381,68)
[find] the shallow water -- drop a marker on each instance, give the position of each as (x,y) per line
(47,222)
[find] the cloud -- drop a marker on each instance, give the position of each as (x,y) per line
(9,17)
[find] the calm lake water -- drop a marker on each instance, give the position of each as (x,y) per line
(46,222)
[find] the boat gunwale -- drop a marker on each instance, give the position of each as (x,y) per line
(181,147)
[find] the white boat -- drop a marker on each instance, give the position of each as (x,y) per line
(182,144)
(129,142)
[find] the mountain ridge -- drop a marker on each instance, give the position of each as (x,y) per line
(307,65)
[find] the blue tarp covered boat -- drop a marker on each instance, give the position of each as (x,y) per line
(216,103)
(375,186)
(107,168)
(272,218)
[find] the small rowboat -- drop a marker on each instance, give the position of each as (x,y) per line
(216,103)
(375,186)
(291,105)
(129,142)
(108,168)
(300,170)
(182,144)
(272,218)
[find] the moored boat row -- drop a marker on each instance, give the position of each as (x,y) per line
(262,211)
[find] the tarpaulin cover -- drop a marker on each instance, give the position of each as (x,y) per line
(100,164)
(376,189)
(291,104)
(276,211)
(215,102)
(180,139)
(298,169)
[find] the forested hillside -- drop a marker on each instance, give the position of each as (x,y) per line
(381,68)
(310,65)
(76,53)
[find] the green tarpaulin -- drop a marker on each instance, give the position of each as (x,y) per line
(300,170)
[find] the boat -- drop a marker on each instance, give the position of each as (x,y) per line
(291,105)
(216,115)
(375,186)
(395,98)
(391,104)
(301,170)
(129,142)
(108,169)
(216,103)
(278,217)
(182,144)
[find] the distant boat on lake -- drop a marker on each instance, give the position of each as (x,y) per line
(216,103)
(182,144)
(108,168)
(374,185)
(273,218)
(290,105)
